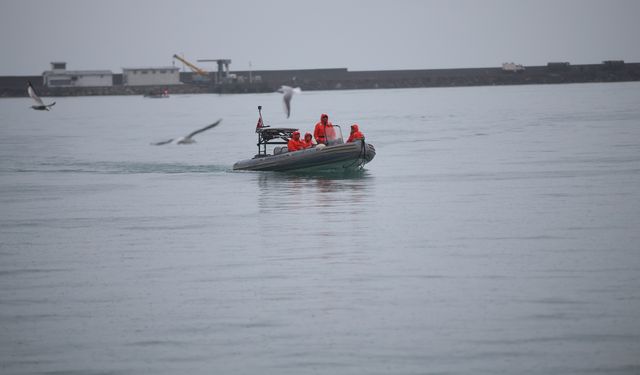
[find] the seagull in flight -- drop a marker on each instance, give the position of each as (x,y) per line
(187,139)
(40,105)
(288,92)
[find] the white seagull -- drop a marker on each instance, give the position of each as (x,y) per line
(40,105)
(187,139)
(288,92)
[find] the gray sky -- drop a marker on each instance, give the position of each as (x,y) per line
(290,34)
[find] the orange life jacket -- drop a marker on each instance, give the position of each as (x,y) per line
(355,134)
(308,140)
(324,132)
(295,143)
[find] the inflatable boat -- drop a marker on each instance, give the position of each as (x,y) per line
(335,156)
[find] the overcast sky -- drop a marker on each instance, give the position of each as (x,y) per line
(299,34)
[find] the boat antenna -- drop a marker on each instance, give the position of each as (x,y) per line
(260,123)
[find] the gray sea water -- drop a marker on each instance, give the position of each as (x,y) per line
(496,231)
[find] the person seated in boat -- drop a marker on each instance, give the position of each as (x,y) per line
(308,140)
(295,143)
(356,134)
(324,131)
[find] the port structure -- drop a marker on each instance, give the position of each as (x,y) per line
(222,75)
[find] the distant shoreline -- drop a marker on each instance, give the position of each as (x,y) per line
(343,79)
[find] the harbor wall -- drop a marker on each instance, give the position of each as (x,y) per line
(341,79)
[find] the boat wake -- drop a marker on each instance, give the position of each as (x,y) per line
(106,167)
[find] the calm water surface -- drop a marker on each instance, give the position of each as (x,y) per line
(495,232)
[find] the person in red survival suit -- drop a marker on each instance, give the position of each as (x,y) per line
(355,134)
(295,143)
(324,131)
(308,140)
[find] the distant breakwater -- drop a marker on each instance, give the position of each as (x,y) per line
(343,79)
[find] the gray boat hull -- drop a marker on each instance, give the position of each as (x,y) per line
(342,157)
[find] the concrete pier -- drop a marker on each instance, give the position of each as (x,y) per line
(343,79)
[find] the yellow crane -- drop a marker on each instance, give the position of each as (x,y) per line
(192,67)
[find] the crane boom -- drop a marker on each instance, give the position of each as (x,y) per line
(191,66)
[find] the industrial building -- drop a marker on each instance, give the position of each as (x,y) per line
(59,76)
(151,76)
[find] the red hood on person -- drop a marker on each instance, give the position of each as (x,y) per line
(355,133)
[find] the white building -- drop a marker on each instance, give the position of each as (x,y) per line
(59,76)
(169,75)
(512,67)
